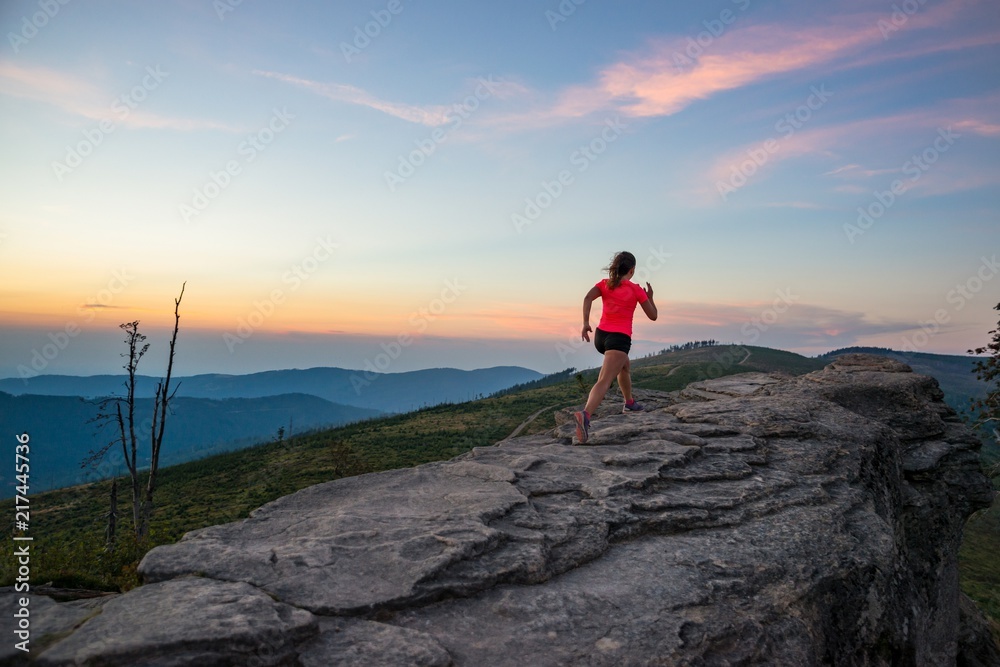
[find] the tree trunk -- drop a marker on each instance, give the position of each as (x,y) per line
(109,535)
(160,406)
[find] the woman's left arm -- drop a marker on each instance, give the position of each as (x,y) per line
(648,306)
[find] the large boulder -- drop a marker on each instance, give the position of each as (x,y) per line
(753,519)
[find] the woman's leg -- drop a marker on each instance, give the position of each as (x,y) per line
(614,361)
(625,380)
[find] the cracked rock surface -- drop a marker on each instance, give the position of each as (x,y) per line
(752,519)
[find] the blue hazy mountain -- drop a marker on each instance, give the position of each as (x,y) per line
(387,392)
(214,413)
(62,432)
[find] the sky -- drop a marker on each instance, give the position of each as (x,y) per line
(394,185)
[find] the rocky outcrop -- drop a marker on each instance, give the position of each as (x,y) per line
(752,519)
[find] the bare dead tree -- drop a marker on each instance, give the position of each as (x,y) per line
(160,407)
(110,411)
(110,532)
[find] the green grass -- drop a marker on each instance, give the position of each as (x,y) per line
(978,564)
(68,524)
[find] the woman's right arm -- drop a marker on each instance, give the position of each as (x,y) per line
(587,302)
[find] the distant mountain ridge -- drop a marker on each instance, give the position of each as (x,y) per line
(387,392)
(63,434)
(214,413)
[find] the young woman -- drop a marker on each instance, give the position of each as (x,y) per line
(613,337)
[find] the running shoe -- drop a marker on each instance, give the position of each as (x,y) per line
(635,407)
(582,426)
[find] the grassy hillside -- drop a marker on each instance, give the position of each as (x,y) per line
(978,565)
(68,524)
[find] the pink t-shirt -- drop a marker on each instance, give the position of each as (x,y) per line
(619,305)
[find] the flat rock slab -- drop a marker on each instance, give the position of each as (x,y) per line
(48,621)
(354,544)
(753,519)
(188,621)
(665,596)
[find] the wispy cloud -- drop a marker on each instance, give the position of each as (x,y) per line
(432,115)
(648,82)
(841,170)
(103,306)
(874,150)
(794,204)
(801,326)
(980,127)
(78,97)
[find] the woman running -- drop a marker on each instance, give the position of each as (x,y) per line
(613,337)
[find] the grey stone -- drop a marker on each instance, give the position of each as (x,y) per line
(751,519)
(48,621)
(187,621)
(351,642)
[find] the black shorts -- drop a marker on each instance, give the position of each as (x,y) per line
(612,340)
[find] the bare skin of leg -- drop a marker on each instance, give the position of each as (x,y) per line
(625,380)
(614,362)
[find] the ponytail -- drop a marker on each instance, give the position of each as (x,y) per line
(621,264)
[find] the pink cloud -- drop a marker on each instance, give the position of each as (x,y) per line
(981,127)
(654,85)
(49,86)
(666,77)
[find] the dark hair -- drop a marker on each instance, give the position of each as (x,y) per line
(621,264)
